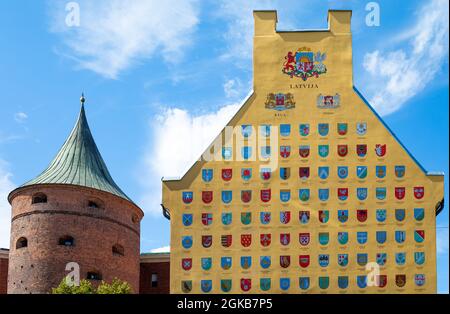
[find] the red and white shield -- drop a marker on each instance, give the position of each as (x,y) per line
(380,150)
(361,215)
(342,150)
(186,263)
(246,284)
(246,240)
(207,196)
(246,196)
(285,217)
(400,193)
(207,219)
(303,260)
(227,174)
(207,241)
(265,239)
(342,193)
(303,238)
(265,195)
(285,238)
(419,192)
(285,151)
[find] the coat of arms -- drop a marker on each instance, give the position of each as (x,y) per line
(280,101)
(328,101)
(304,63)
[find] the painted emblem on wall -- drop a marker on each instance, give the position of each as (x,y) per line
(280,101)
(206,285)
(328,101)
(304,63)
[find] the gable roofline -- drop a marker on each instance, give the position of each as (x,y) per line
(390,131)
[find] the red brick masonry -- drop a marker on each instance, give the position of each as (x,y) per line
(155,264)
(3,270)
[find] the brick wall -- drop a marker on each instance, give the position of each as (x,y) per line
(3,271)
(155,264)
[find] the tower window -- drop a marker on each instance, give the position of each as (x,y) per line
(93,275)
(39,198)
(154,280)
(95,204)
(135,219)
(66,241)
(118,250)
(21,243)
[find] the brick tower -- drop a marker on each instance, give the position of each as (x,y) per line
(73,212)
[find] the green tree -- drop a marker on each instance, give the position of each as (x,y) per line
(85,287)
(117,286)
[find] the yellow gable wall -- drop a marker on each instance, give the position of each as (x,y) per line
(270,49)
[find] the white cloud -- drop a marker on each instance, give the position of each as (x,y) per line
(235,89)
(164,249)
(20,117)
(177,140)
(442,240)
(397,76)
(116,34)
(6,186)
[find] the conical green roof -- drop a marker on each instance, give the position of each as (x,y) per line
(79,162)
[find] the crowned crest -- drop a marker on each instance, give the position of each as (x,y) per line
(280,101)
(328,101)
(304,63)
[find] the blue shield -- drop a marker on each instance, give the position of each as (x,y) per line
(246,152)
(246,262)
(362,259)
(400,171)
(380,171)
(419,279)
(285,130)
(323,150)
(381,237)
(206,285)
(285,283)
(419,258)
(361,193)
(380,193)
(225,285)
(303,195)
(265,130)
(284,173)
(361,237)
(324,238)
(323,129)
(361,281)
(303,283)
(246,173)
(206,263)
(361,172)
(324,282)
(381,259)
(187,219)
(343,215)
(265,217)
(324,194)
(265,152)
(343,282)
(324,172)
(225,262)
(207,175)
(400,214)
(285,195)
(381,215)
(265,261)
(342,260)
(400,258)
(342,237)
(342,172)
(246,130)
(419,214)
(324,260)
(187,197)
(186,242)
(227,218)
(227,196)
(227,153)
(419,236)
(264,284)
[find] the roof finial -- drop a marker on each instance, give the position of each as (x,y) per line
(82,99)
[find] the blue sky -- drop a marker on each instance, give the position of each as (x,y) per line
(165,75)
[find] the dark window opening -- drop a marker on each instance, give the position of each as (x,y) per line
(92,275)
(135,219)
(67,241)
(39,198)
(154,280)
(22,242)
(93,204)
(118,250)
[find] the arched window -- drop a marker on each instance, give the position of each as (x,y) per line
(135,218)
(66,241)
(21,243)
(95,204)
(39,198)
(118,250)
(94,275)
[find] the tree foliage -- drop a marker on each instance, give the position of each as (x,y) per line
(117,286)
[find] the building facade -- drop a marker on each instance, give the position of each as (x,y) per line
(73,216)
(306,190)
